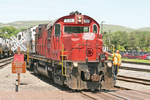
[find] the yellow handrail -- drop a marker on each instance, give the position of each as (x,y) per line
(62,51)
(62,63)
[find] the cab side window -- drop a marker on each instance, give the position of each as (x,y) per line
(39,31)
(50,31)
(94,28)
(19,37)
(57,30)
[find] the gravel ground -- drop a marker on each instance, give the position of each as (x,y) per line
(32,88)
(28,81)
(133,86)
(135,74)
(140,66)
(36,88)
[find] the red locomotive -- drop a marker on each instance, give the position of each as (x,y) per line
(69,51)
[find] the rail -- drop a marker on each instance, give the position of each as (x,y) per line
(134,69)
(133,80)
(116,95)
(6,61)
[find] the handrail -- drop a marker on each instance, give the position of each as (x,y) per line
(62,62)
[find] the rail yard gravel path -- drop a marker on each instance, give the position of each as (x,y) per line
(28,81)
(132,86)
(38,88)
(135,74)
(139,66)
(32,88)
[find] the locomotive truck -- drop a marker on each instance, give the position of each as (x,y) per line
(69,52)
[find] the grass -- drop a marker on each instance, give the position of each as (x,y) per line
(134,60)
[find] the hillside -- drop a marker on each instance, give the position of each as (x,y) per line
(144,29)
(106,27)
(1,24)
(114,28)
(25,24)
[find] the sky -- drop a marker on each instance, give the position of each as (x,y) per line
(129,13)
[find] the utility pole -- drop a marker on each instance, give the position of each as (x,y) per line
(109,40)
(101,27)
(101,32)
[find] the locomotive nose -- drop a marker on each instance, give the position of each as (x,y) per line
(84,46)
(89,38)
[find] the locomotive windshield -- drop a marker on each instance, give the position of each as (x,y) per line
(76,29)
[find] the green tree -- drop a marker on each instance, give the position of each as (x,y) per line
(8,31)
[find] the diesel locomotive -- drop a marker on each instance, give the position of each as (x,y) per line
(69,52)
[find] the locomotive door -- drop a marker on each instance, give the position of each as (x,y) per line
(49,42)
(56,42)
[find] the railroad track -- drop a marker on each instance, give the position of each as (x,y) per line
(133,80)
(88,95)
(104,94)
(121,88)
(116,95)
(134,69)
(6,61)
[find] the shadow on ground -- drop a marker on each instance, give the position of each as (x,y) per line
(65,88)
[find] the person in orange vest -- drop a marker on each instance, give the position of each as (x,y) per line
(116,61)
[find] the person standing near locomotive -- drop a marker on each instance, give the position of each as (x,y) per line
(116,57)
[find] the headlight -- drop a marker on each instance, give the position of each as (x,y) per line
(75,64)
(109,64)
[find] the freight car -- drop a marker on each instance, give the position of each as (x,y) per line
(69,52)
(5,47)
(24,39)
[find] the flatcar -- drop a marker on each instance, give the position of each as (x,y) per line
(69,52)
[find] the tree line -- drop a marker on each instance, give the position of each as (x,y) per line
(8,31)
(136,40)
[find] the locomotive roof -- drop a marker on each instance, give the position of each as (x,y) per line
(72,14)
